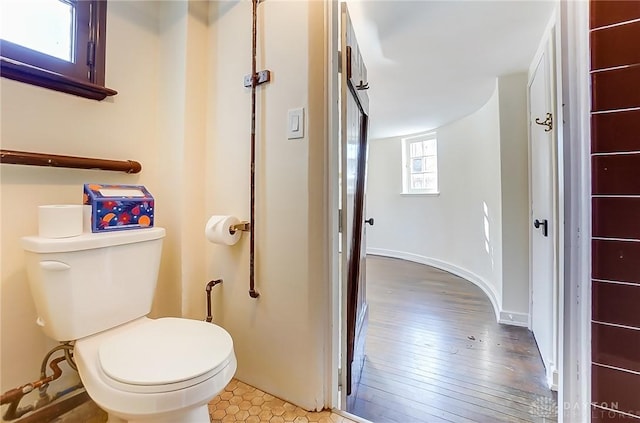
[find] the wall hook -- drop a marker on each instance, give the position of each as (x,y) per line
(548,122)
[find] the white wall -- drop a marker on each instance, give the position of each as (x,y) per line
(279,338)
(514,165)
(185,39)
(447,230)
(482,158)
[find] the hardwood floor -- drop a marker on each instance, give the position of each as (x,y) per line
(434,353)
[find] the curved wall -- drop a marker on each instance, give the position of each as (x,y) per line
(459,230)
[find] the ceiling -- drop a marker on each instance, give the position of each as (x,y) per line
(432,62)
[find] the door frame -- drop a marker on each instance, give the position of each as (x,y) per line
(575,379)
(573,87)
(333,376)
(549,45)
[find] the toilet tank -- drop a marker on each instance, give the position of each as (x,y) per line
(89,283)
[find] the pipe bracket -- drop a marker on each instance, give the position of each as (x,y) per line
(260,78)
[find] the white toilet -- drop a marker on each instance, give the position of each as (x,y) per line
(96,289)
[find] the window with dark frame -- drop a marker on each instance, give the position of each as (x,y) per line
(55,44)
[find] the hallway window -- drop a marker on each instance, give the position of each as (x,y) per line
(420,164)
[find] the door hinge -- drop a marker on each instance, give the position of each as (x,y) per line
(91,53)
(349,64)
(340,220)
(339,378)
(339,61)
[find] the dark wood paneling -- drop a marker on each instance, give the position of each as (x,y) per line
(615,89)
(616,218)
(611,132)
(435,353)
(608,12)
(611,47)
(616,303)
(616,174)
(616,389)
(615,346)
(616,260)
(599,415)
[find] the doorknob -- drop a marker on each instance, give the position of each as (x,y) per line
(537,223)
(369,221)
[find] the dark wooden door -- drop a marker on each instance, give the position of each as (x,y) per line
(354,112)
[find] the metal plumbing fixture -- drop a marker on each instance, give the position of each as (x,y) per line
(208,289)
(15,395)
(256,78)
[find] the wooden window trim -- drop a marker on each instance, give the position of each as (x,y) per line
(31,67)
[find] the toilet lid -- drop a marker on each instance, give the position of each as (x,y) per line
(165,351)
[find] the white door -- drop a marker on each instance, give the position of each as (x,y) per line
(542,213)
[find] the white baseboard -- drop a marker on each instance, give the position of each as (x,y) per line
(488,289)
(514,318)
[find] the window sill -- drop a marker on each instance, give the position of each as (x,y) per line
(54,81)
(420,194)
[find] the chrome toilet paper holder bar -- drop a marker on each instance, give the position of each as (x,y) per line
(242,226)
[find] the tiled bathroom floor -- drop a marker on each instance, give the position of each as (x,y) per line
(238,402)
(243,403)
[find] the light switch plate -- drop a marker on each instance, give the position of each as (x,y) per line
(295,123)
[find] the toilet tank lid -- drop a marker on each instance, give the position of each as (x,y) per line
(89,241)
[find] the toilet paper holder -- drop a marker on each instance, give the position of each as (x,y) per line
(242,226)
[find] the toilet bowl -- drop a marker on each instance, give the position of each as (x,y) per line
(96,290)
(156,370)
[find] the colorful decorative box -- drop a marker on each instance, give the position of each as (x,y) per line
(118,207)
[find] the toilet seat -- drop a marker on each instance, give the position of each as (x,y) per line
(164,355)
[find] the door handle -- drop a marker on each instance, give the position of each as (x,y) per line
(537,223)
(369,221)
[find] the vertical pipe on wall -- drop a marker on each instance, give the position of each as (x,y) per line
(254,82)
